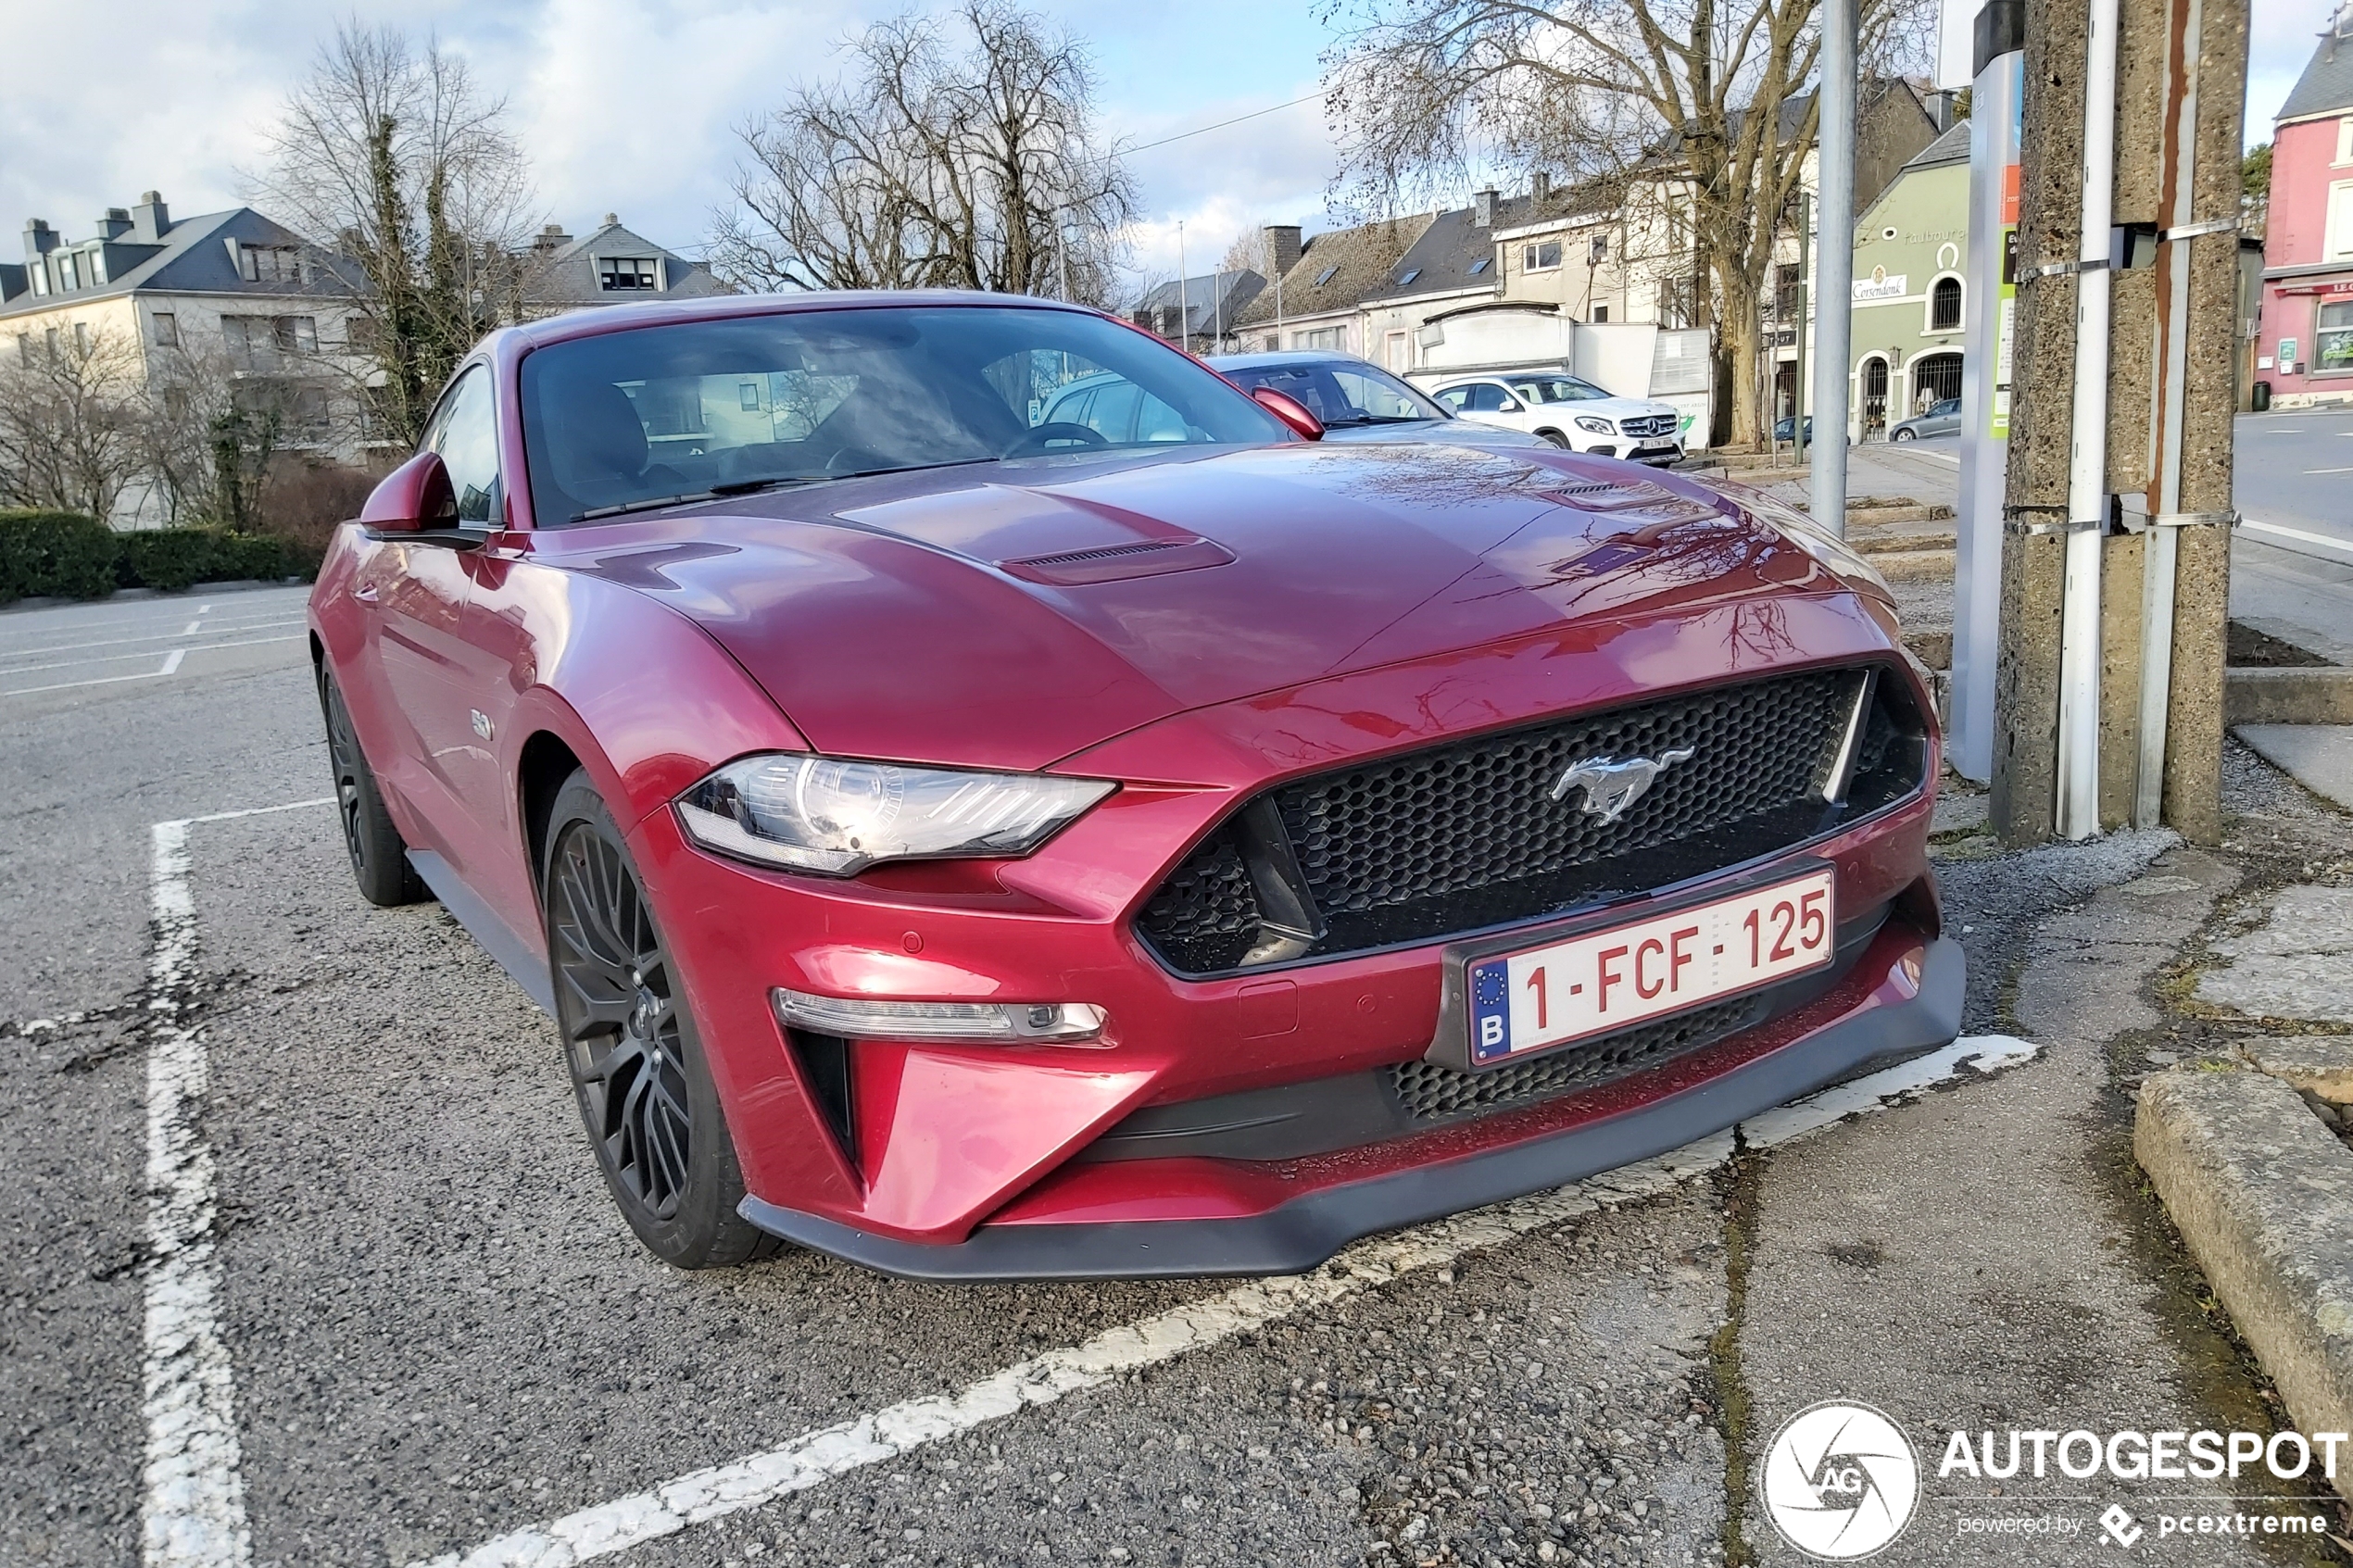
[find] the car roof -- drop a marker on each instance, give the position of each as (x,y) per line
(1274,356)
(662,312)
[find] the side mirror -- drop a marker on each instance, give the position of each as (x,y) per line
(1511,405)
(1291,411)
(416,498)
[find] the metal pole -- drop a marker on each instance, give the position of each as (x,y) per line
(2176,191)
(1184,306)
(2078,805)
(1805,304)
(1990,308)
(1834,163)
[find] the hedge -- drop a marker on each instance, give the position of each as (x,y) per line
(71,555)
(66,553)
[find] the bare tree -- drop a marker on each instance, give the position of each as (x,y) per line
(1690,118)
(402,173)
(207,437)
(1248,253)
(960,153)
(69,420)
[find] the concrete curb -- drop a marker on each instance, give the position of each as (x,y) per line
(2315,695)
(2311,1064)
(2262,1194)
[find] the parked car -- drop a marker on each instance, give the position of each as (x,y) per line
(1356,400)
(1784,428)
(982,844)
(1942,418)
(1568,412)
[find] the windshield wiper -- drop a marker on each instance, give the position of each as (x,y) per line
(648,503)
(748,486)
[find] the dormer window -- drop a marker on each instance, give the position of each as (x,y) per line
(269,264)
(628,273)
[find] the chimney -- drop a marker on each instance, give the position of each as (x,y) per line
(550,239)
(1483,209)
(1282,246)
(150,220)
(113,223)
(39,239)
(1540,186)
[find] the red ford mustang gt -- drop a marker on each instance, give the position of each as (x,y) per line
(1143,842)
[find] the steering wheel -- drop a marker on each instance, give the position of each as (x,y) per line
(1037,440)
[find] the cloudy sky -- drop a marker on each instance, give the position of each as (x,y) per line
(628,105)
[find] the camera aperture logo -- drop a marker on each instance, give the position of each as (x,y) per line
(1839,1481)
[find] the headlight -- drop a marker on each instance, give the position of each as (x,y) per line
(839,816)
(1597,426)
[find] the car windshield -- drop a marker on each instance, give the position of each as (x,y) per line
(1341,392)
(628,419)
(1558,388)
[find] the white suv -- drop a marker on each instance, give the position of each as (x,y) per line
(1568,412)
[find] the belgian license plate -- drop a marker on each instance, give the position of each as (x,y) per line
(1605,981)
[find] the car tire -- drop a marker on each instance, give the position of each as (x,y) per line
(1908,435)
(1556,438)
(379,855)
(639,1073)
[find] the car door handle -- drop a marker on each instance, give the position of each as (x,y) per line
(365,592)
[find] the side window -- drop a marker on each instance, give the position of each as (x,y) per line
(1485,398)
(465,431)
(1455,398)
(1114,414)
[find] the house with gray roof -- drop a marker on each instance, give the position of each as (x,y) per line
(1199,313)
(610,265)
(230,292)
(1315,299)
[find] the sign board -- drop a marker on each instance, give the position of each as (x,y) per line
(1881,284)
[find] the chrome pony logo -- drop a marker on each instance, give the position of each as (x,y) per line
(1611,785)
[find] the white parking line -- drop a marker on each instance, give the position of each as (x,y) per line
(2320,539)
(194,1513)
(171,666)
(189,631)
(819,1456)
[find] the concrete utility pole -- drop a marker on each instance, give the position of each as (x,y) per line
(1798,404)
(2109,696)
(1833,326)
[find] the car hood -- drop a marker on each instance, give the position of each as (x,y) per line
(1009,615)
(1452,430)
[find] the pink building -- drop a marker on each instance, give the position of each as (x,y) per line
(2304,348)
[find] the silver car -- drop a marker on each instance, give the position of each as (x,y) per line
(1943,418)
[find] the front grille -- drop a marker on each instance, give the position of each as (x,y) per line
(1650,424)
(1467,835)
(1430,1092)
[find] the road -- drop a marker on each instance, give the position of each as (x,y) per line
(2291,558)
(423,1332)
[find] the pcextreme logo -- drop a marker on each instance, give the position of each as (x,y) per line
(1839,1481)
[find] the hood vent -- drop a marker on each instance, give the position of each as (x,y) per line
(1115,563)
(1632,503)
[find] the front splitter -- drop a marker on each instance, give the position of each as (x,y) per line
(1308,1230)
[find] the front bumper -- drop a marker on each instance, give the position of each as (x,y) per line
(927,1159)
(1902,1016)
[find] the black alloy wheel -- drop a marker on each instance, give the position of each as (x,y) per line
(646,1098)
(379,855)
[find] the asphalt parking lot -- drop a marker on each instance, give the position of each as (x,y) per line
(310,1264)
